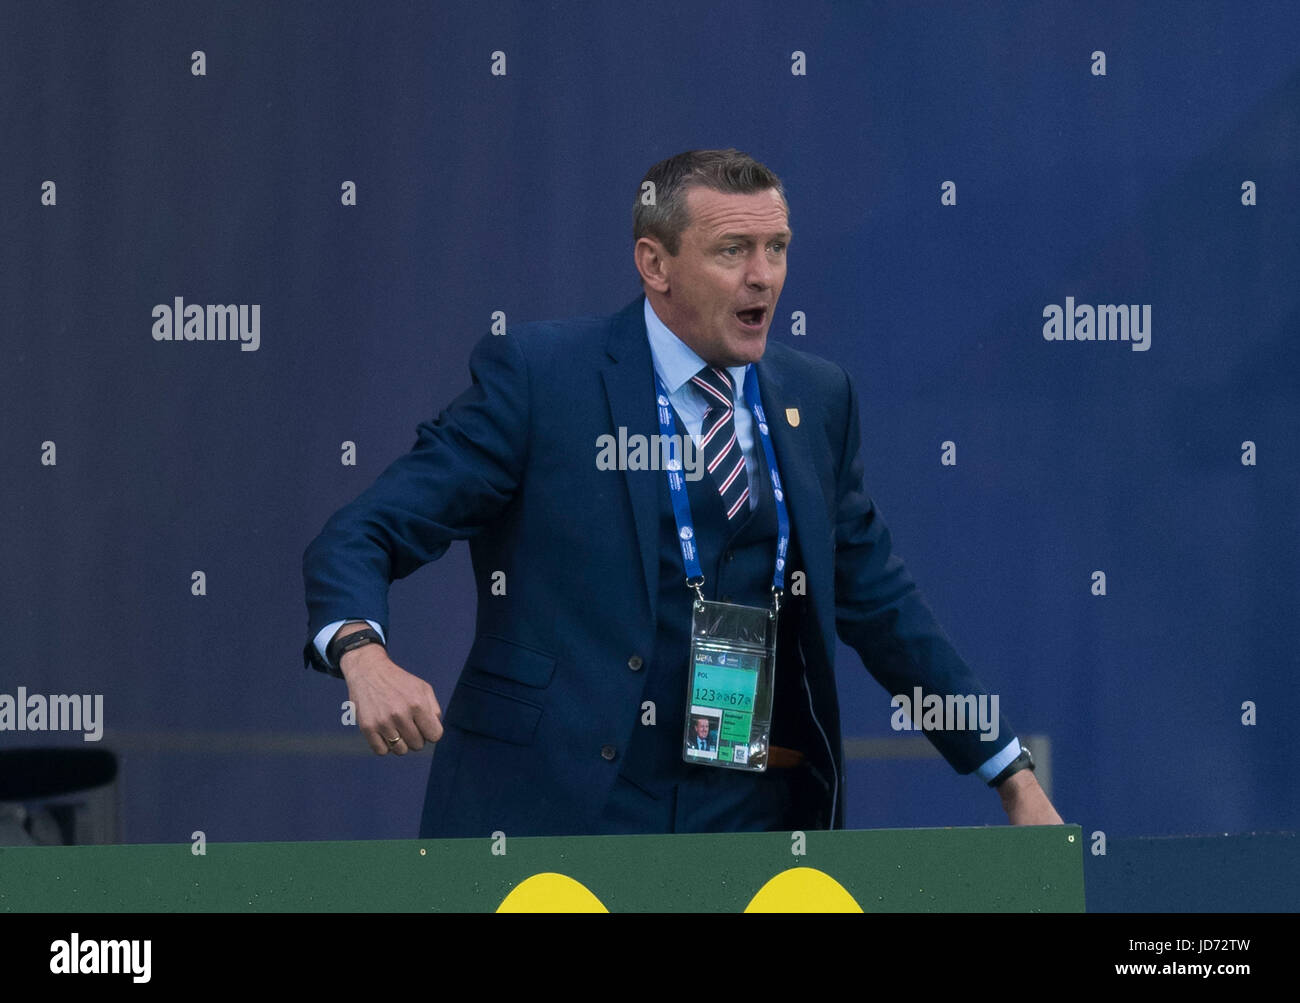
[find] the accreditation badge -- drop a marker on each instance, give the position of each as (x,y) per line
(732,671)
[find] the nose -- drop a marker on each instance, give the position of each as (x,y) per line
(761,273)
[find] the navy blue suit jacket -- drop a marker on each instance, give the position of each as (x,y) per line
(546,693)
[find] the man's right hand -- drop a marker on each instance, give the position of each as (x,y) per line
(389,701)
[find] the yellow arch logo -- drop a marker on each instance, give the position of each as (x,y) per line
(799,889)
(551,892)
(803,889)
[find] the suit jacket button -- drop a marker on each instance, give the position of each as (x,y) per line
(634,663)
(608,752)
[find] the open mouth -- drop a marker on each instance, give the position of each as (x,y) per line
(752,318)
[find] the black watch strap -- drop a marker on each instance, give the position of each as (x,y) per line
(342,644)
(1024,761)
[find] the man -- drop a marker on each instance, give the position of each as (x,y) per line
(596,615)
(702,742)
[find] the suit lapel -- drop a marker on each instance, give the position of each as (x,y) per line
(629,388)
(803,489)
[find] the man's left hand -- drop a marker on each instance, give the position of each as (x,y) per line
(1025,802)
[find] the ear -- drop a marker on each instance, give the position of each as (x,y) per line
(652,262)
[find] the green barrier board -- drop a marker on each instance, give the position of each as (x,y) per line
(1005,868)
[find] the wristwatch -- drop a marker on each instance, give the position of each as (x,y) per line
(341,645)
(1024,761)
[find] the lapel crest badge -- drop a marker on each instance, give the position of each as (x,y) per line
(792,416)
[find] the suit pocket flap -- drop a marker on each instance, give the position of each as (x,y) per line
(499,657)
(494,714)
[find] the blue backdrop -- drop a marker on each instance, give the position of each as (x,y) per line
(479,192)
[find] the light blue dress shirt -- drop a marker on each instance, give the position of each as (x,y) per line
(675,364)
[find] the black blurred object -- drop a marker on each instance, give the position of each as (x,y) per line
(58,796)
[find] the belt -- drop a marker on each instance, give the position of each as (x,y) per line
(781,758)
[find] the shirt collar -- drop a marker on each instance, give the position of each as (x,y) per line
(675,361)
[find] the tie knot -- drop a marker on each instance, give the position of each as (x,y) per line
(716,386)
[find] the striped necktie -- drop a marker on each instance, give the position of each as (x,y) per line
(722,453)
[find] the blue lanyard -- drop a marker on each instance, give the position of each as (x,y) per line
(682,504)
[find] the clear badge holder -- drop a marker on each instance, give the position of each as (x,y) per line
(732,673)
